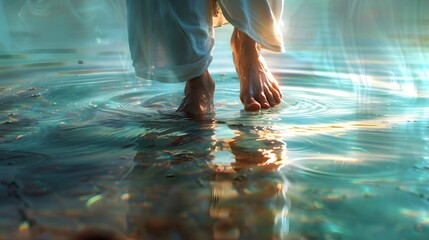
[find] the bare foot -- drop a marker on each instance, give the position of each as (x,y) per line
(199,93)
(258,87)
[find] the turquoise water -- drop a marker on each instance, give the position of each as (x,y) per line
(86,145)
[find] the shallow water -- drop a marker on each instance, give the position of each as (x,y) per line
(86,145)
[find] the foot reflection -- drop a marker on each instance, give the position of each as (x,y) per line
(180,190)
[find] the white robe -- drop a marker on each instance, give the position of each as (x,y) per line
(172,40)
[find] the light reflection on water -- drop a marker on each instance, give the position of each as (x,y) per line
(83,144)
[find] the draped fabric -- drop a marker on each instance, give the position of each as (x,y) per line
(172,40)
(259,19)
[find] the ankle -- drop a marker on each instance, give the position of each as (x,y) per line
(242,44)
(202,82)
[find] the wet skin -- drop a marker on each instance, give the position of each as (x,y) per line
(199,93)
(258,87)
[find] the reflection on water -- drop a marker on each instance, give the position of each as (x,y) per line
(87,150)
(183,186)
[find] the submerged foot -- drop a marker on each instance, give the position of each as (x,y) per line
(258,87)
(199,93)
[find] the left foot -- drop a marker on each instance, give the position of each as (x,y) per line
(258,87)
(199,93)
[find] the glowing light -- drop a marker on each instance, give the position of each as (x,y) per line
(125,197)
(379,123)
(93,200)
(409,213)
(24,227)
(425,220)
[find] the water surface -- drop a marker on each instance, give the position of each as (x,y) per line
(86,145)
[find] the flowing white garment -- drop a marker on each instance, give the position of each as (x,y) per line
(172,40)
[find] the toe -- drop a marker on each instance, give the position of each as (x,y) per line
(270,98)
(262,100)
(275,87)
(277,96)
(250,104)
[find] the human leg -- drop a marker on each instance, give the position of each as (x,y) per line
(258,87)
(199,93)
(172,41)
(257,25)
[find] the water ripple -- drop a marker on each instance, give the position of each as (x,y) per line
(20,159)
(316,104)
(337,166)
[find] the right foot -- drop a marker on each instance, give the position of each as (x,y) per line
(199,93)
(258,87)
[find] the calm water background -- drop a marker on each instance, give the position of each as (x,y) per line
(84,144)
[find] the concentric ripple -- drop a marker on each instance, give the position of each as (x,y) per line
(79,133)
(337,166)
(309,105)
(18,159)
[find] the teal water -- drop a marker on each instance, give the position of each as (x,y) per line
(86,145)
